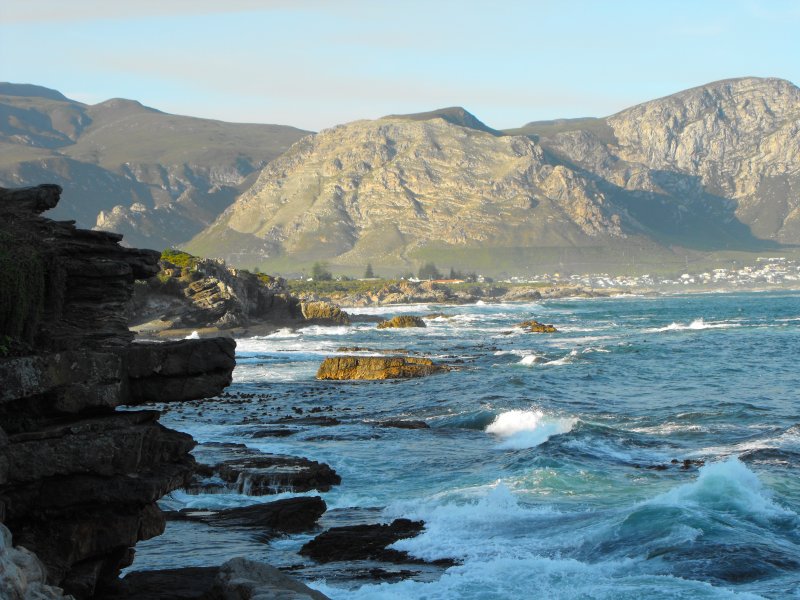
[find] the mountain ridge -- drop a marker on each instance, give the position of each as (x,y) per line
(155,177)
(682,172)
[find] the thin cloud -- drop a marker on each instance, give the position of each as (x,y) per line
(43,11)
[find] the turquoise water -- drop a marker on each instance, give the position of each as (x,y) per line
(537,470)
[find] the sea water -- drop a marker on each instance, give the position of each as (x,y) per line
(553,465)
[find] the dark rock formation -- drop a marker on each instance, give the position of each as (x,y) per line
(290,515)
(401,424)
(402,321)
(79,480)
(254,473)
(182,370)
(238,579)
(362,542)
(377,367)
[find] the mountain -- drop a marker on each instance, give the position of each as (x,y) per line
(712,168)
(155,177)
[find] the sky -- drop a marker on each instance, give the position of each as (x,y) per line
(317,63)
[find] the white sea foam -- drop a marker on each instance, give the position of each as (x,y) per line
(727,486)
(696,325)
(193,336)
(521,429)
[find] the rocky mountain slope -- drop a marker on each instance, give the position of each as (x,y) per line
(715,167)
(155,177)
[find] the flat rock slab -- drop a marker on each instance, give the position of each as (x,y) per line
(289,515)
(248,471)
(362,542)
(377,367)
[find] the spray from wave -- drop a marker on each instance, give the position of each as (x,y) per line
(520,429)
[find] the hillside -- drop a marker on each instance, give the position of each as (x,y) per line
(708,169)
(155,177)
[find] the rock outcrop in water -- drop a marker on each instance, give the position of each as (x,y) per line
(402,321)
(377,367)
(363,542)
(79,480)
(534,326)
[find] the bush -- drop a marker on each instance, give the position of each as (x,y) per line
(180,258)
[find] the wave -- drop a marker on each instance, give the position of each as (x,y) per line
(696,325)
(520,429)
(727,486)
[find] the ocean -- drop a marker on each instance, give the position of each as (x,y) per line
(649,449)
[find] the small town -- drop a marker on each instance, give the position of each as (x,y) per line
(767,271)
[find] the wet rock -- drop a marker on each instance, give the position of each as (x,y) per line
(370,367)
(362,542)
(400,424)
(277,432)
(290,515)
(402,321)
(254,473)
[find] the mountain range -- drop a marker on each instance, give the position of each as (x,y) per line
(713,168)
(157,178)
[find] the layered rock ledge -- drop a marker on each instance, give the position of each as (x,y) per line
(79,479)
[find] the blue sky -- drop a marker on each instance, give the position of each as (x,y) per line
(316,63)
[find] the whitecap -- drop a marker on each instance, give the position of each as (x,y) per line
(521,429)
(726,486)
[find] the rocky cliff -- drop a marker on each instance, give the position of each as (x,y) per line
(155,177)
(79,479)
(715,167)
(189,292)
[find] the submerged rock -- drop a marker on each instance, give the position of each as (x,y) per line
(377,367)
(400,424)
(402,321)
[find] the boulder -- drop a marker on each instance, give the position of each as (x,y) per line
(323,313)
(402,321)
(535,326)
(377,367)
